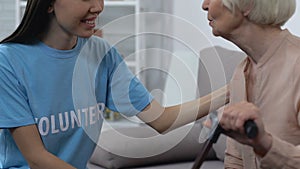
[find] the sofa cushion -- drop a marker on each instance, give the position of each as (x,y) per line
(187,165)
(142,146)
(214,164)
(220,147)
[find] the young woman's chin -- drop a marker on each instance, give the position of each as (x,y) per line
(86,34)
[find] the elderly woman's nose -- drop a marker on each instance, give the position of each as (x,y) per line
(205,4)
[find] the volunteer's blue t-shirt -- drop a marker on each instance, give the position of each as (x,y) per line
(63,92)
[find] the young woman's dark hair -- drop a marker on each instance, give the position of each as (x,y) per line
(34,22)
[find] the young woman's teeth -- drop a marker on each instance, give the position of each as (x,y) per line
(90,22)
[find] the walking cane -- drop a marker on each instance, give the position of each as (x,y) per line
(251,131)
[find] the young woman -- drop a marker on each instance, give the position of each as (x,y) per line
(265,86)
(55,81)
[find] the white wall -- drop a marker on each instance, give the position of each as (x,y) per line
(7,17)
(294,25)
(191,27)
(191,10)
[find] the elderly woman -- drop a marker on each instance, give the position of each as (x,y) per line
(265,86)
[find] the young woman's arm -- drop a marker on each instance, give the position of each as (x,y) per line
(31,146)
(164,119)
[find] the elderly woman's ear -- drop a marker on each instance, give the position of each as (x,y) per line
(248,9)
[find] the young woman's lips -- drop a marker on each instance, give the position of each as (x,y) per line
(90,23)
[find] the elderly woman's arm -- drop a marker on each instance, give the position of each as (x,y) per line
(281,155)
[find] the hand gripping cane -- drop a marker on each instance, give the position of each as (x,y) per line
(251,131)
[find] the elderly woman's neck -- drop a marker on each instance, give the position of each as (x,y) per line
(255,39)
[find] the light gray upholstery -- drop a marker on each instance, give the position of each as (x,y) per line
(185,149)
(216,67)
(209,79)
(183,165)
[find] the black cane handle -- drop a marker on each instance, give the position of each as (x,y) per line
(251,129)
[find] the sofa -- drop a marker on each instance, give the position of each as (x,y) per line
(141,147)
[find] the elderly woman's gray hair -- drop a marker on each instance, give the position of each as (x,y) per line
(265,12)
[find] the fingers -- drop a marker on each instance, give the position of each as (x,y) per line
(234,116)
(207,123)
(232,119)
(98,32)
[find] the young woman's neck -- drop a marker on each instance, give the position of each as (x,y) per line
(255,39)
(58,39)
(60,43)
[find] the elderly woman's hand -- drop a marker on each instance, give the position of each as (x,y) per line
(232,119)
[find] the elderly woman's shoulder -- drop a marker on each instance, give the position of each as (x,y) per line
(293,51)
(294,40)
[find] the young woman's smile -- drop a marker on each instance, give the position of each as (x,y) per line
(89,22)
(76,17)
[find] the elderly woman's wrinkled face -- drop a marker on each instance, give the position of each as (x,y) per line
(221,19)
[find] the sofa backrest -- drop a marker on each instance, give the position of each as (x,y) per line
(216,67)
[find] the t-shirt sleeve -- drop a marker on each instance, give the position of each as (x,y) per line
(126,94)
(14,108)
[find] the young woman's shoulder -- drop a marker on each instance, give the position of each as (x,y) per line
(7,50)
(98,41)
(7,47)
(98,45)
(12,49)
(98,49)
